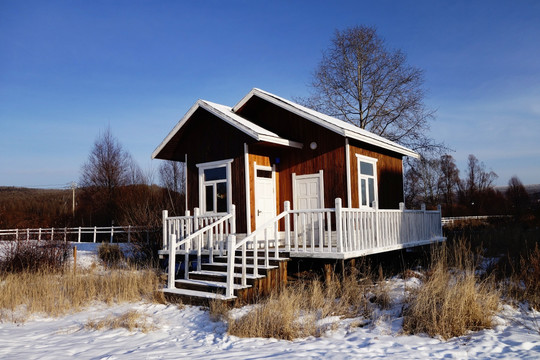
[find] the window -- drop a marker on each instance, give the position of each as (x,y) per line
(215,186)
(367,180)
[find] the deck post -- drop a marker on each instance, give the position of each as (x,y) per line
(376,208)
(287,208)
(339,224)
(231,244)
(172,261)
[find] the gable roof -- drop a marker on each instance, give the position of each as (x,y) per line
(226,114)
(339,126)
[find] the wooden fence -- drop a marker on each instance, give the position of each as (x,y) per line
(83,234)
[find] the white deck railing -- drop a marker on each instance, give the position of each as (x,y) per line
(197,235)
(338,233)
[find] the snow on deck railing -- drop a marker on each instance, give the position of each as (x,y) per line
(62,233)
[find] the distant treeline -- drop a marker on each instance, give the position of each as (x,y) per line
(132,204)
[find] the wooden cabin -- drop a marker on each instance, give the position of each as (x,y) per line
(268,156)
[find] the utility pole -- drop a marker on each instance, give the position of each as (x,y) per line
(73,187)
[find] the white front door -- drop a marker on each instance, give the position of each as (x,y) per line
(265,195)
(308,193)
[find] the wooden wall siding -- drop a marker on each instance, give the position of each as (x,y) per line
(206,138)
(389,174)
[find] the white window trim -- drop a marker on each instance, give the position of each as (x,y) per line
(373,161)
(202,193)
(320,175)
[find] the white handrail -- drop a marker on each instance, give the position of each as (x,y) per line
(217,227)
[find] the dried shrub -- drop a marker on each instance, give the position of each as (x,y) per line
(111,255)
(452,300)
(295,311)
(523,284)
(34,256)
(130,320)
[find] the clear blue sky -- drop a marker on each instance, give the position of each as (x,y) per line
(70,69)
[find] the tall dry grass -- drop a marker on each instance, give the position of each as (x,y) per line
(53,293)
(453,300)
(296,310)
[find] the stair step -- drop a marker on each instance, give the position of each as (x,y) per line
(250,260)
(216,284)
(206,286)
(237,268)
(223,274)
(197,294)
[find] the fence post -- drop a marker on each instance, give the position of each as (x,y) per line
(65,234)
(339,224)
(377,232)
(172,261)
(164,216)
(17,234)
(27,234)
(52,234)
(287,208)
(231,244)
(112,232)
(129,233)
(79,236)
(439,228)
(39,234)
(95,233)
(423,208)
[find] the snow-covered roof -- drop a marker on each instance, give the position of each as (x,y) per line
(339,126)
(226,114)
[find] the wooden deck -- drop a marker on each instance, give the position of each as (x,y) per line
(333,233)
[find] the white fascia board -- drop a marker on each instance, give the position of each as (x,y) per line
(175,129)
(228,119)
(367,138)
(382,144)
(280,141)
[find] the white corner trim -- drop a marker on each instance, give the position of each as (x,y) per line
(248,197)
(348,172)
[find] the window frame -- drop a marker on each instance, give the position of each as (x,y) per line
(366,177)
(214,183)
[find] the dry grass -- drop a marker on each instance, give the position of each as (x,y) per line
(523,285)
(54,294)
(295,311)
(453,300)
(130,320)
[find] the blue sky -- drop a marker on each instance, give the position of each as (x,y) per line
(70,69)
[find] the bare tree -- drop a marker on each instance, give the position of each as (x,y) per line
(108,168)
(517,196)
(448,182)
(109,165)
(421,182)
(475,186)
(171,175)
(361,81)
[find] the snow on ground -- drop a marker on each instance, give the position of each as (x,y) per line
(189,333)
